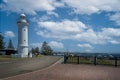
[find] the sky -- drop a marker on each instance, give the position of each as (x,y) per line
(73,25)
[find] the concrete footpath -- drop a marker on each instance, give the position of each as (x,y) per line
(10,68)
(71,72)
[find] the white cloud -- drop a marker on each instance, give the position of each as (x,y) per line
(88,50)
(76,30)
(44,18)
(86,46)
(102,37)
(52,13)
(89,36)
(93,6)
(115,42)
(36,45)
(115,32)
(116,18)
(60,30)
(9,34)
(55,44)
(57,3)
(65,25)
(30,6)
(78,6)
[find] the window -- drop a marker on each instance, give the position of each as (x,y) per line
(24,29)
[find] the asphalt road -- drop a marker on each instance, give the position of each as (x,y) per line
(18,66)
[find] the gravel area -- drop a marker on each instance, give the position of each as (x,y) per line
(19,66)
(72,72)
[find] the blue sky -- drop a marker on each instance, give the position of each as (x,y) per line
(76,25)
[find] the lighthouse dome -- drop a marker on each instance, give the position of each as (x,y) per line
(22,15)
(22,19)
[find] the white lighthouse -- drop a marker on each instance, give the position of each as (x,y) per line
(22,36)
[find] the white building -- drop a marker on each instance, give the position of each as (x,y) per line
(22,36)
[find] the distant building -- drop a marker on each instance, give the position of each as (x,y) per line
(8,51)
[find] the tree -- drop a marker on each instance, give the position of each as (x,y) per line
(46,49)
(35,51)
(10,45)
(2,43)
(32,50)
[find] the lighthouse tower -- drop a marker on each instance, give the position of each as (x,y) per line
(22,36)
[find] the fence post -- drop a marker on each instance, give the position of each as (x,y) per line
(115,61)
(78,59)
(64,59)
(95,60)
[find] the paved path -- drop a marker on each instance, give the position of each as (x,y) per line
(13,67)
(72,72)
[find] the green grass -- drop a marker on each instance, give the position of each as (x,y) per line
(87,61)
(72,59)
(105,62)
(8,57)
(5,57)
(81,60)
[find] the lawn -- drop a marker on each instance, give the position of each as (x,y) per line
(8,57)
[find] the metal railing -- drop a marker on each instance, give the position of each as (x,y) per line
(112,61)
